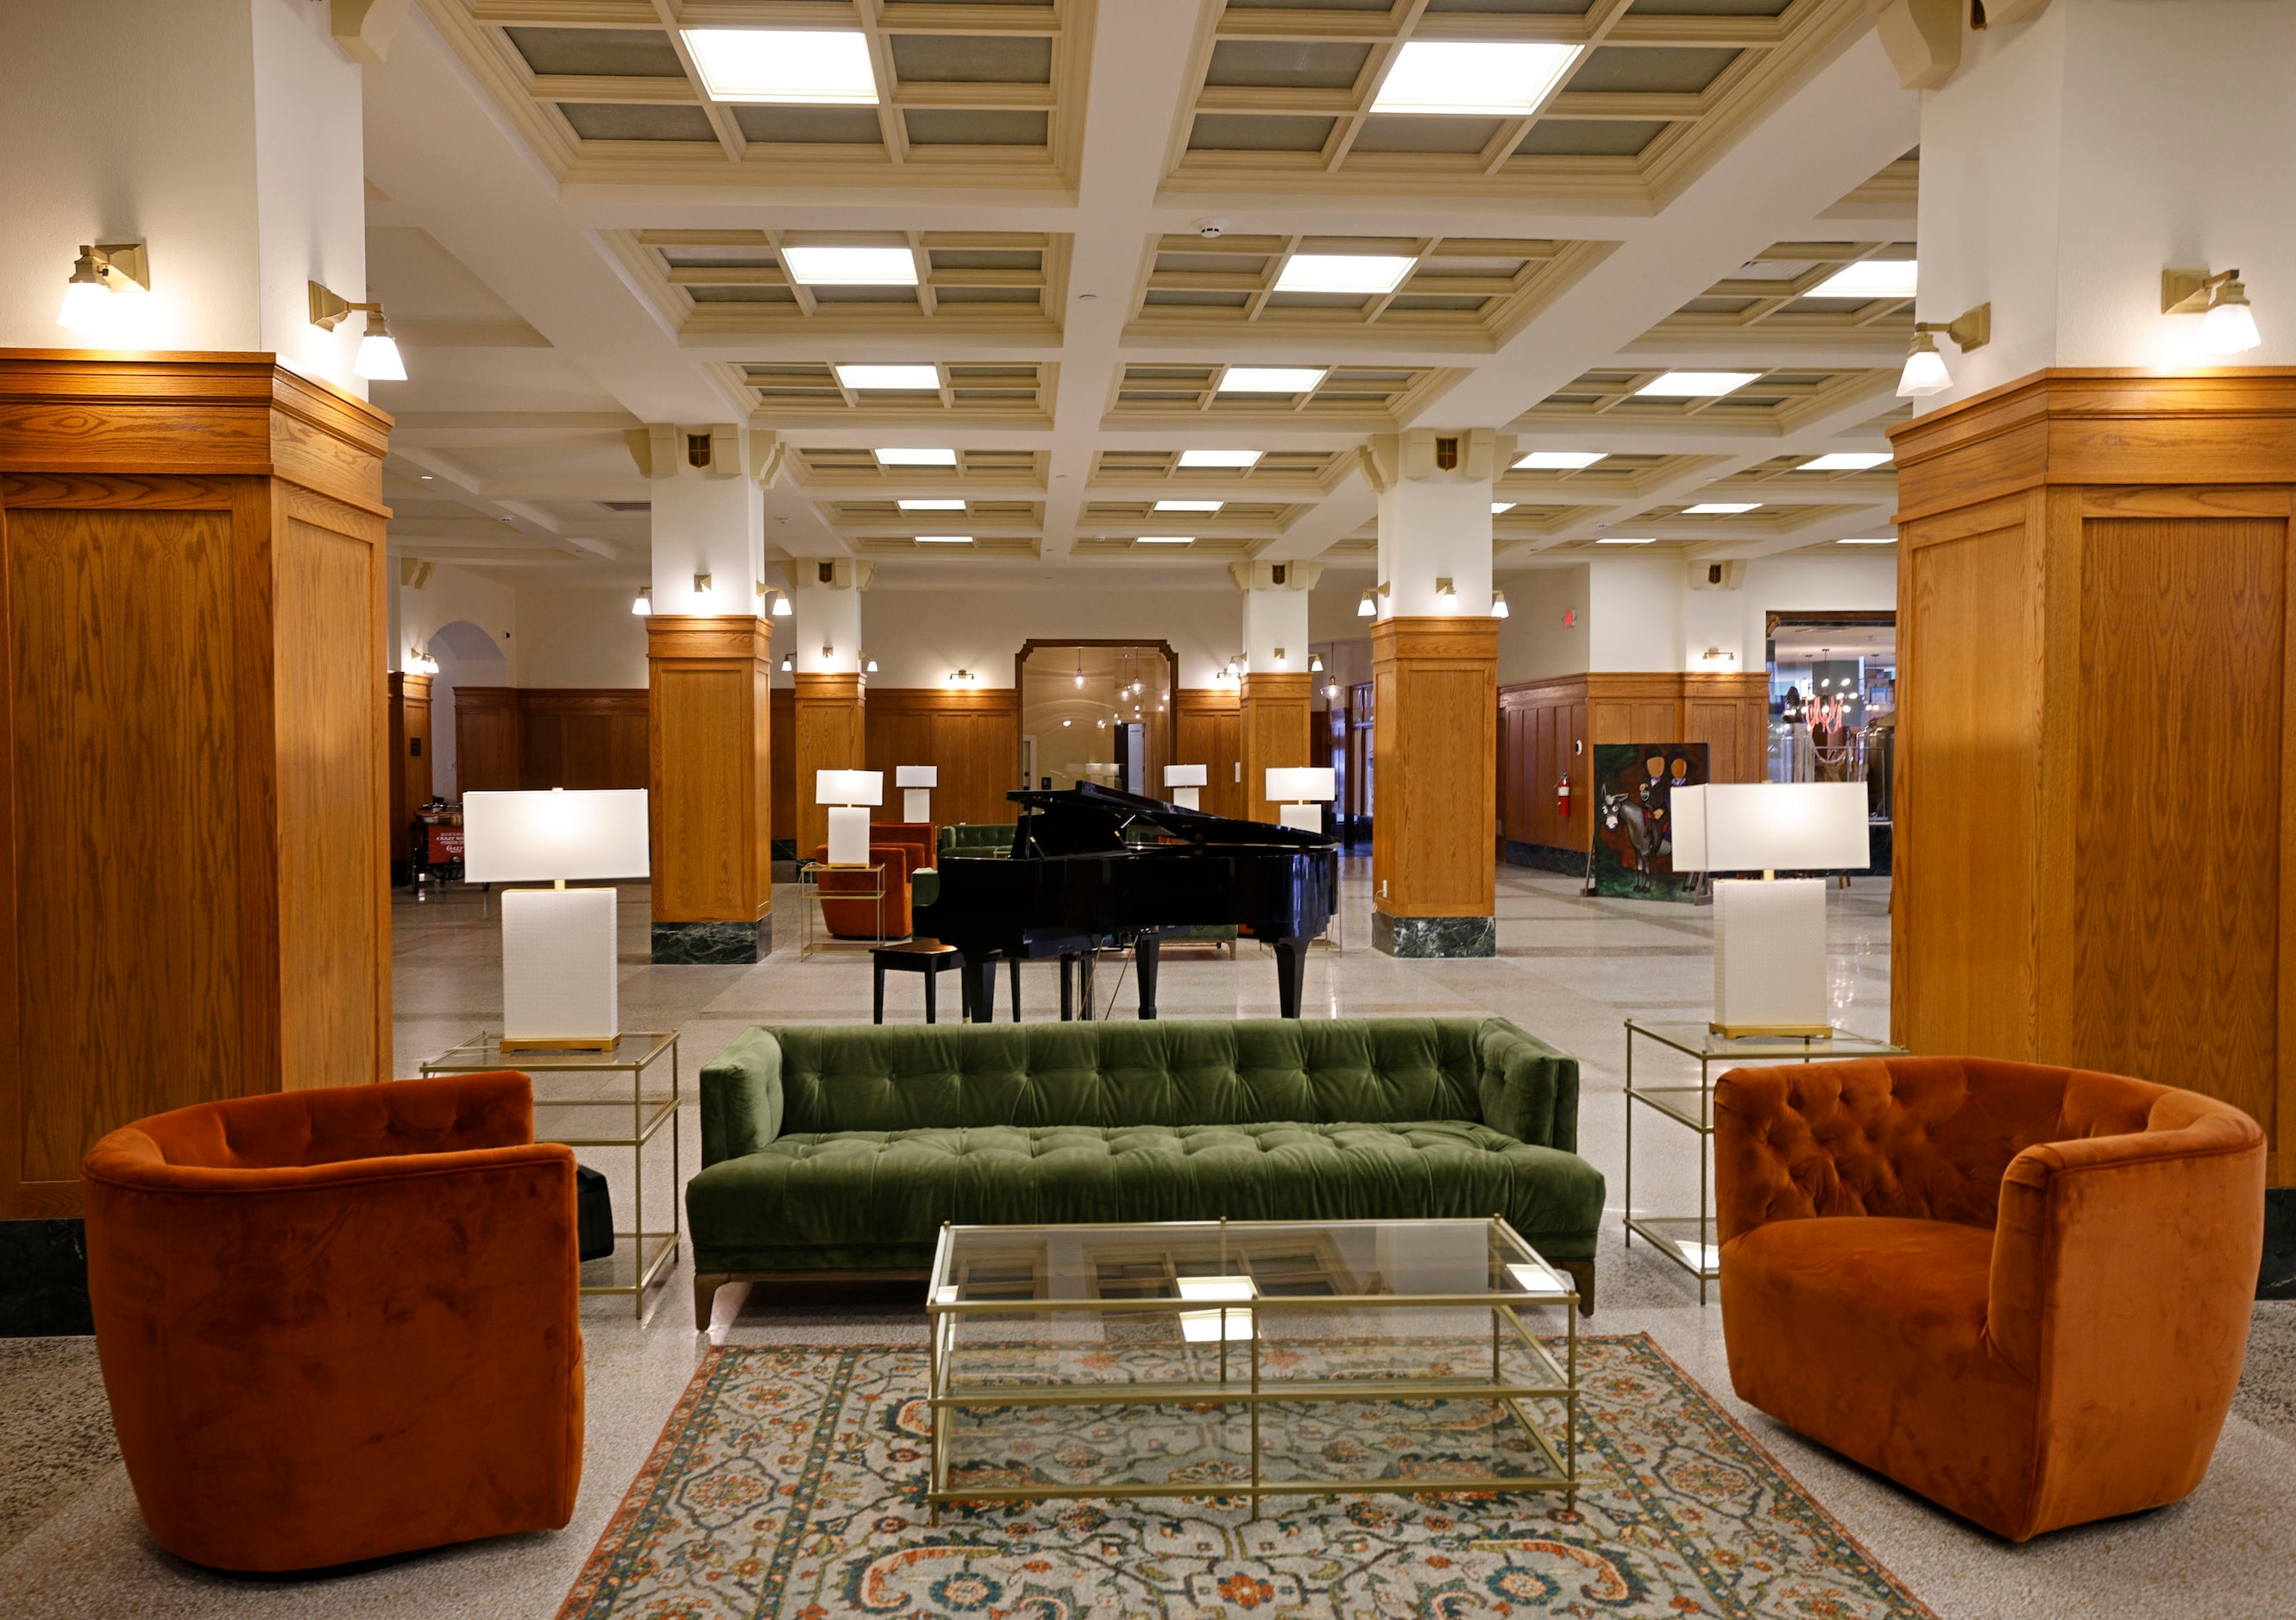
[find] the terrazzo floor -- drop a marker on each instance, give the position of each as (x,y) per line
(1569,968)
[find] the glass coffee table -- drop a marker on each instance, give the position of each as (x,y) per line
(1248,1359)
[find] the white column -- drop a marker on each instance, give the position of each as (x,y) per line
(1275,614)
(2069,160)
(826,594)
(1434,520)
(709,519)
(223,136)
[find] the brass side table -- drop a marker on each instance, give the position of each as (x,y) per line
(812,900)
(1691,1241)
(588,1121)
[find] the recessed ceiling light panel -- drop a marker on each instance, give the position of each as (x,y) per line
(806,66)
(1719,508)
(932,507)
(917,458)
(1219,458)
(1620,540)
(1561,461)
(1696,385)
(1881,540)
(1846,461)
(1503,79)
(1364,273)
(1499,506)
(1165,539)
(907,379)
(1190,505)
(1271,379)
(851,266)
(1870,278)
(944,539)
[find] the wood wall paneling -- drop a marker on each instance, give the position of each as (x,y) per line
(408,766)
(782,706)
(972,737)
(196,734)
(2094,836)
(1435,743)
(487,751)
(582,737)
(1272,730)
(1209,733)
(710,766)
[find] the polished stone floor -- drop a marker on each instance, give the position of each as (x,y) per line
(1569,968)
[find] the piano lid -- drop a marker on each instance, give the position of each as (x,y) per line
(1088,818)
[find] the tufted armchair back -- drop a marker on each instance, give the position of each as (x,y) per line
(818,1078)
(1925,1138)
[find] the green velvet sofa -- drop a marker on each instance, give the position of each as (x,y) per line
(837,1151)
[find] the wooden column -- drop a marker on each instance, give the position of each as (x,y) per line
(1272,729)
(1204,732)
(193,871)
(408,771)
(2095,818)
(709,763)
(829,737)
(1435,758)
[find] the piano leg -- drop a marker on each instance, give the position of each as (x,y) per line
(981,989)
(1068,989)
(1144,956)
(1015,963)
(1291,975)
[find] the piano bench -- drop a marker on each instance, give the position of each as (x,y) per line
(928,957)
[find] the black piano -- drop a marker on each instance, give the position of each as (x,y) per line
(1092,864)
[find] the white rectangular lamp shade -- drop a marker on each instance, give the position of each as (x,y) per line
(850,794)
(1182,780)
(560,971)
(849,787)
(1300,784)
(916,783)
(539,837)
(1772,826)
(1770,937)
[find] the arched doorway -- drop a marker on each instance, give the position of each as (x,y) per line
(467,656)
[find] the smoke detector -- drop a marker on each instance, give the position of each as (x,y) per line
(1216,225)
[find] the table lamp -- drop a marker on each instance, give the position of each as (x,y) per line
(1769,933)
(849,796)
(561,967)
(1303,791)
(916,783)
(1181,781)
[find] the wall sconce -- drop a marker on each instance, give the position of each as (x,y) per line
(779,599)
(828,650)
(963,677)
(1925,372)
(1368,607)
(869,667)
(1447,594)
(378,358)
(789,662)
(1498,604)
(1715,655)
(644,603)
(101,271)
(2228,324)
(1314,663)
(419,662)
(1279,658)
(702,584)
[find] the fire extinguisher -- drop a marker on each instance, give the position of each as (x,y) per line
(1562,797)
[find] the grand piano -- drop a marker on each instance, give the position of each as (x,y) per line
(1091,863)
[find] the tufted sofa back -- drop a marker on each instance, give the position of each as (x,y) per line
(1124,1073)
(1918,1138)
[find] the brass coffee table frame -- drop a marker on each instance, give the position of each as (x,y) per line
(947,1395)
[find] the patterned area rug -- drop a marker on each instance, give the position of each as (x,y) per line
(789,1485)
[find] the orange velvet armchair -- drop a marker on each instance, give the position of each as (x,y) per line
(904,849)
(338,1324)
(2023,1292)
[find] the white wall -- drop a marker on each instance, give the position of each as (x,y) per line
(917,637)
(579,636)
(1534,642)
(1634,612)
(310,188)
(2074,157)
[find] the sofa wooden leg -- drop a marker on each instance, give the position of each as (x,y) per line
(706,1285)
(1582,1273)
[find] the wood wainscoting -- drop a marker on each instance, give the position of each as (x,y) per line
(827,732)
(1548,728)
(536,738)
(194,770)
(971,736)
(2095,817)
(1271,726)
(1209,732)
(408,771)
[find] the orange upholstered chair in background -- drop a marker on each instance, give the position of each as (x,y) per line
(337,1324)
(904,849)
(2023,1292)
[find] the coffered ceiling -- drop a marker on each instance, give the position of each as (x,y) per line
(1146,273)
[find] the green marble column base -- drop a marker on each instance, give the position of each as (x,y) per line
(1434,935)
(712,943)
